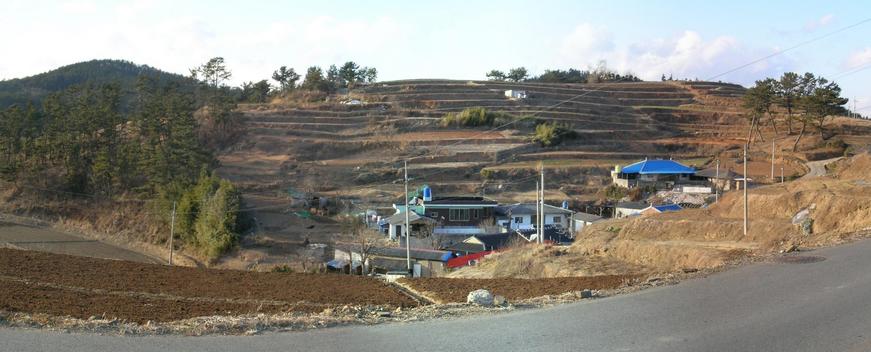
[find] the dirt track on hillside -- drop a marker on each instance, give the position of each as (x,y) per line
(37,282)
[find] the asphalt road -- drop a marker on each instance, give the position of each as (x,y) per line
(48,240)
(772,306)
(818,168)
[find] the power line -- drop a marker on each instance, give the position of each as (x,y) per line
(779,52)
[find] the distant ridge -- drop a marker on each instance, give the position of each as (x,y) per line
(35,88)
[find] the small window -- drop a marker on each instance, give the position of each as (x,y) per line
(518,219)
(557,219)
(458,215)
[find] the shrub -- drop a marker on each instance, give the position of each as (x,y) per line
(487,174)
(475,117)
(282,269)
(470,117)
(615,192)
(216,223)
(551,134)
(208,216)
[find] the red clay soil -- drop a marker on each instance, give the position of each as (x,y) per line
(456,290)
(83,287)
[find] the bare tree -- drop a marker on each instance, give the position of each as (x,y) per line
(365,240)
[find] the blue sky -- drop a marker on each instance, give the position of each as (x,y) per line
(446,39)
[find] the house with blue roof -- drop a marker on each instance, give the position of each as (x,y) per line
(660,174)
(663,208)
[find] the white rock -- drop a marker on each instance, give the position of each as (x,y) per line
(799,217)
(480,297)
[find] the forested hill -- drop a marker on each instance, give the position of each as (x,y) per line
(35,88)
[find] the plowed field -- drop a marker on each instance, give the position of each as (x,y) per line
(37,282)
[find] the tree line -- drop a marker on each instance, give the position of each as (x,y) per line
(83,141)
(598,74)
(806,99)
(35,88)
(349,75)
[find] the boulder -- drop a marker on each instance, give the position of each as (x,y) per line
(807,226)
(801,216)
(500,301)
(480,297)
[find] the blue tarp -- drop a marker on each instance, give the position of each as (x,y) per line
(337,263)
(667,207)
(647,167)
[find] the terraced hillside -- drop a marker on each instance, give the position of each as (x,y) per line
(353,152)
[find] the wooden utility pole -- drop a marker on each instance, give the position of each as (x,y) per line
(407,228)
(171,232)
(745,189)
(781,174)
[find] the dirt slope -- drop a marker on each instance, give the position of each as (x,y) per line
(839,206)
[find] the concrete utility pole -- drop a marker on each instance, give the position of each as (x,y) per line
(541,219)
(772,160)
(537,210)
(745,189)
(407,228)
(171,232)
(717,184)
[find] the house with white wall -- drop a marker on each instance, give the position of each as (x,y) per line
(523,216)
(582,220)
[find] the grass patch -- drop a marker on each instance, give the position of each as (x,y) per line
(477,117)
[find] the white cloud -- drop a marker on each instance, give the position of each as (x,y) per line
(133,31)
(686,55)
(587,40)
(79,7)
(858,58)
(819,23)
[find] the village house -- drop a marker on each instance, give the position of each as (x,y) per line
(449,214)
(658,209)
(724,180)
(516,94)
(483,242)
(552,234)
(626,209)
(425,262)
(581,220)
(395,224)
(523,216)
(659,174)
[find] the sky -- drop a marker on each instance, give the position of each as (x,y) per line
(450,39)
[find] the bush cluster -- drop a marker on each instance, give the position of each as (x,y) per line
(475,117)
(208,216)
(551,134)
